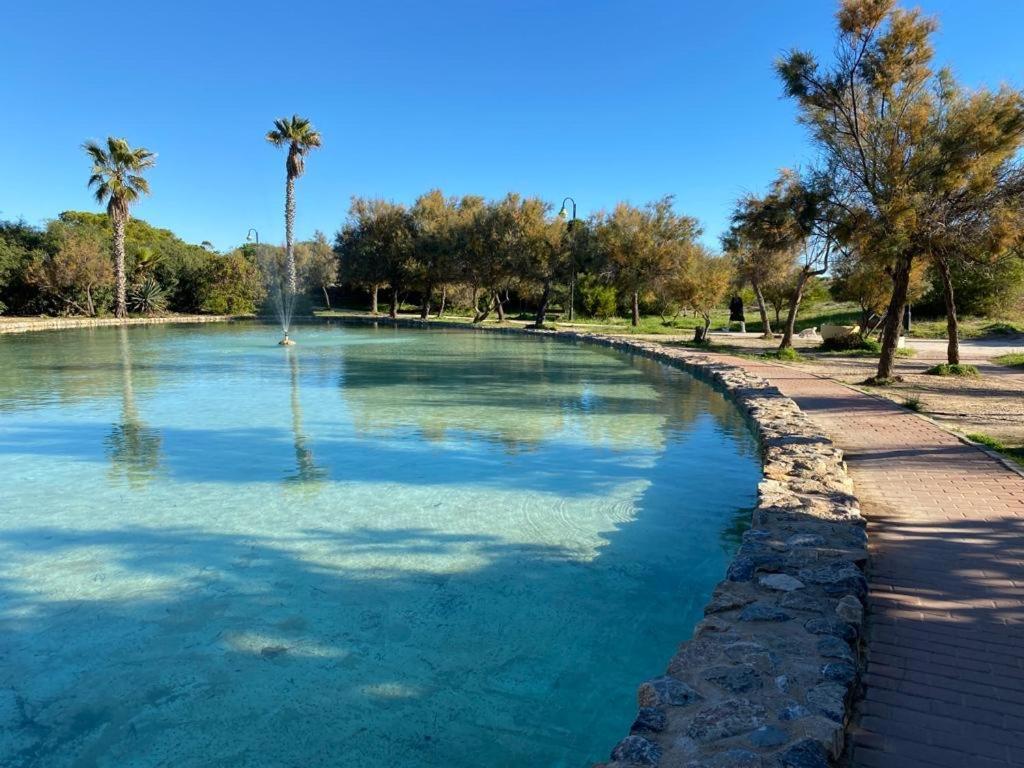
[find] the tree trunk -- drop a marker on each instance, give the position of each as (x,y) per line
(373,300)
(90,307)
(542,310)
(393,308)
(120,298)
(289,227)
(482,314)
(952,323)
(444,296)
(894,317)
(327,296)
(636,308)
(700,333)
(766,325)
(425,307)
(499,307)
(794,306)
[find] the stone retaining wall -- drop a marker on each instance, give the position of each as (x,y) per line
(24,324)
(767,678)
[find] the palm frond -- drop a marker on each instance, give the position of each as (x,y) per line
(116,172)
(139,183)
(102,192)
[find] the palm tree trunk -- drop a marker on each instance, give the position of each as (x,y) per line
(952,322)
(289,228)
(120,296)
(636,308)
(894,317)
(766,324)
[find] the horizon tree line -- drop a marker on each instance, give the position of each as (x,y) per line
(496,248)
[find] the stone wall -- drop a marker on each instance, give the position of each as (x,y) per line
(767,677)
(24,324)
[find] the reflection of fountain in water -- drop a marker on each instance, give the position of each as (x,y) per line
(306,469)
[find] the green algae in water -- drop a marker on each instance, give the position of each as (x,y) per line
(380,546)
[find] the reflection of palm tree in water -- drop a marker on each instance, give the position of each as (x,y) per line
(306,469)
(133,448)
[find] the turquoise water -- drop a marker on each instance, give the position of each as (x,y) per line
(382,547)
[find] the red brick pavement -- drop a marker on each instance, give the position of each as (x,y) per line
(944,683)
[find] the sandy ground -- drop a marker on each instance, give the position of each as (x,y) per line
(992,403)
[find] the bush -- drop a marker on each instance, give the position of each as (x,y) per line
(954,369)
(1013,360)
(914,403)
(853,342)
(787,354)
(596,299)
(233,286)
(147,297)
(1014,453)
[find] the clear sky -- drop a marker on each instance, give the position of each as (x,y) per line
(603,101)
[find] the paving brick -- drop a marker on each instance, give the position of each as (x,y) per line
(944,684)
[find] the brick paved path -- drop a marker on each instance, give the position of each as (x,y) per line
(944,684)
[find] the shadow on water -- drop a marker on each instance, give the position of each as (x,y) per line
(238,648)
(311,644)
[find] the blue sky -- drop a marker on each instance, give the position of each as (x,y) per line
(603,101)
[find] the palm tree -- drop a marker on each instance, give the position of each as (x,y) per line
(116,174)
(298,134)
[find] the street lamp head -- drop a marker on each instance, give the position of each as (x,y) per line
(562,213)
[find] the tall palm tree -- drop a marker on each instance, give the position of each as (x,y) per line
(298,134)
(117,177)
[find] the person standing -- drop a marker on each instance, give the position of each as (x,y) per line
(736,313)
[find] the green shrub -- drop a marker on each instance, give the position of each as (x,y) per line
(1015,454)
(1013,360)
(787,354)
(233,285)
(952,369)
(914,403)
(596,299)
(1002,329)
(853,342)
(147,297)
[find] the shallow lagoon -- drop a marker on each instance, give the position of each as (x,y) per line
(382,547)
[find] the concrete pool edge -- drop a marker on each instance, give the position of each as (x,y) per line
(16,324)
(769,674)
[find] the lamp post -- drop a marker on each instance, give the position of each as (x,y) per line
(250,235)
(572,279)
